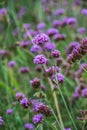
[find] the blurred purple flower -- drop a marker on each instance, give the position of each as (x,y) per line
(12,64)
(29,126)
(40,59)
(9,111)
(38,118)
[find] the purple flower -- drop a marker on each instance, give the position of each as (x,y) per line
(40,59)
(40,39)
(41,26)
(9,111)
(12,64)
(58,37)
(35,83)
(55,54)
(81,30)
(59,12)
(3,11)
(42,108)
(52,70)
(35,48)
(59,77)
(84,12)
(19,96)
(56,23)
(71,21)
(52,31)
(25,102)
(50,46)
(71,46)
(16,32)
(1,121)
(29,32)
(24,44)
(84,92)
(29,126)
(26,26)
(38,118)
(24,70)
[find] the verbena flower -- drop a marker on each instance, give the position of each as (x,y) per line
(84,93)
(38,118)
(24,70)
(49,46)
(35,48)
(35,83)
(19,96)
(41,26)
(84,12)
(9,111)
(58,37)
(12,64)
(41,39)
(25,102)
(43,109)
(29,126)
(52,31)
(59,77)
(40,59)
(55,54)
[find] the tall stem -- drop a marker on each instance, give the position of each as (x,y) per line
(55,101)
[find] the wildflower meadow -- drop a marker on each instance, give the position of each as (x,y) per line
(43,65)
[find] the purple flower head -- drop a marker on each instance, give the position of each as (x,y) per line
(52,70)
(29,32)
(35,48)
(71,21)
(1,121)
(71,46)
(81,30)
(38,68)
(56,23)
(24,70)
(25,102)
(76,95)
(3,11)
(9,111)
(58,37)
(35,83)
(52,31)
(41,39)
(50,46)
(55,54)
(38,118)
(84,93)
(26,26)
(59,12)
(59,77)
(40,59)
(12,64)
(25,44)
(16,32)
(41,26)
(29,126)
(84,12)
(42,108)
(19,96)
(4,53)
